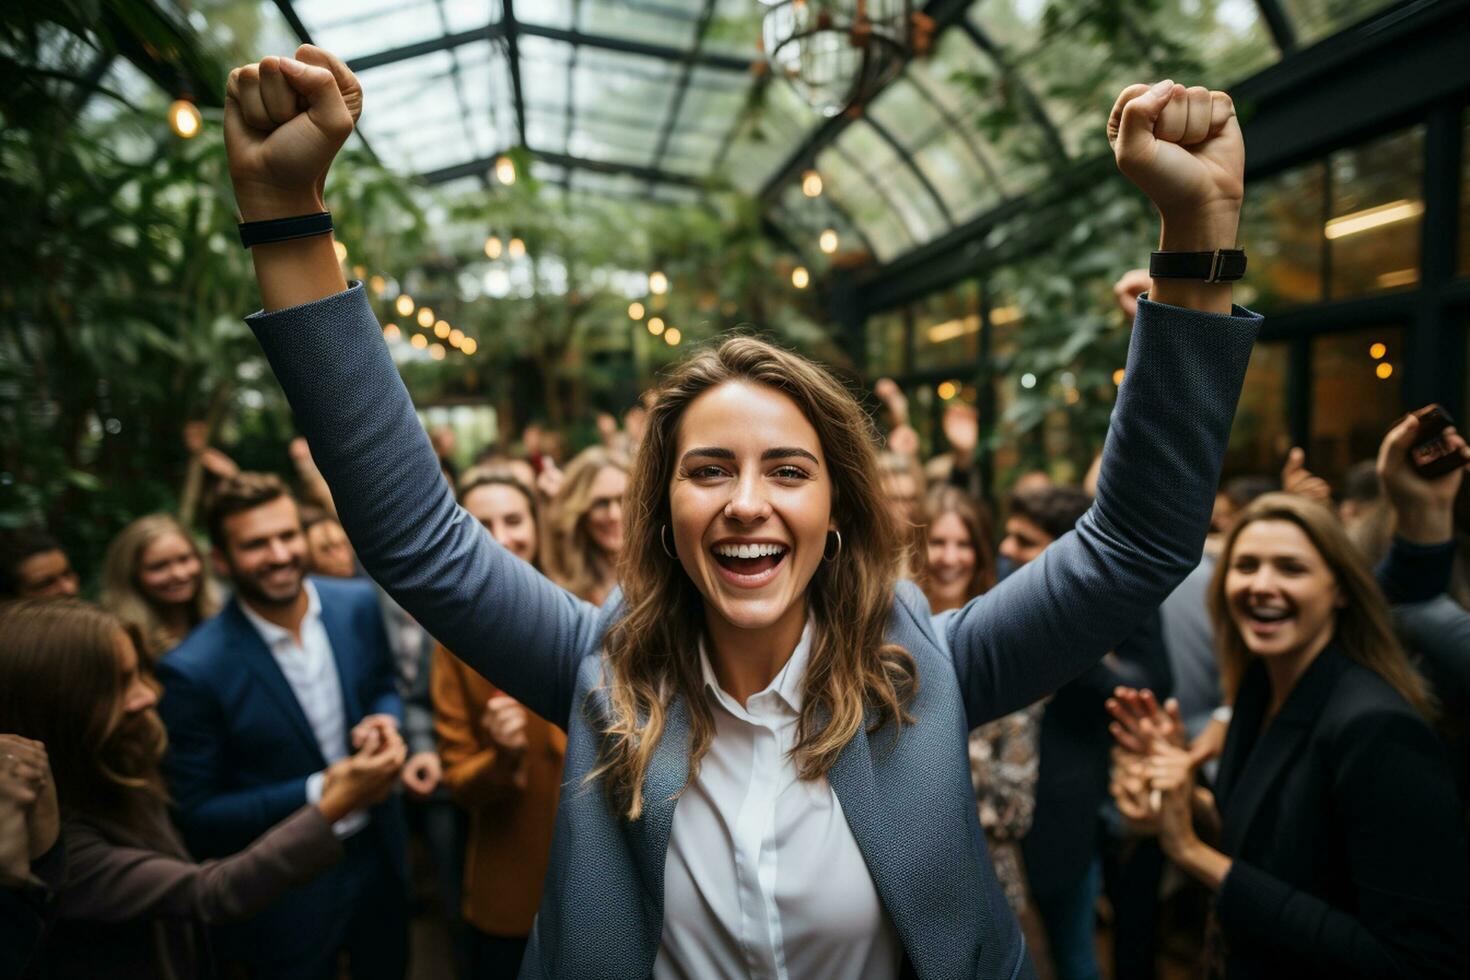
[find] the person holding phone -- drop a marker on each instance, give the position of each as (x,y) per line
(1332,838)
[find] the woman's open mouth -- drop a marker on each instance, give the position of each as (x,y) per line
(749,565)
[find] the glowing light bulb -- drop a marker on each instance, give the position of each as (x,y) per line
(456,337)
(516,248)
(1028,380)
(1384,370)
(377,284)
(828,241)
(436,351)
(419,341)
(658,283)
(800,278)
(635,311)
(655,325)
(391,332)
(426,317)
(1118,376)
(404,306)
(469,346)
(811,184)
(947,390)
(1377,351)
(184,119)
(341,251)
(441,329)
(672,336)
(505,170)
(493,247)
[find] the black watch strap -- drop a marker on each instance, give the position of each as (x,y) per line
(1221,265)
(254,233)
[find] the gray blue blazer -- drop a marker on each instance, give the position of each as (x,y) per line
(906,795)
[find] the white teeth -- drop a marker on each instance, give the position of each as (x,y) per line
(748,550)
(1269,614)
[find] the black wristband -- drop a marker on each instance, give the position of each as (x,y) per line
(1221,265)
(254,233)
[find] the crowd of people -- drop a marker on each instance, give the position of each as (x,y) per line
(694,702)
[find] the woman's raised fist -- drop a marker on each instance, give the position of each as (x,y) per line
(1182,147)
(285,120)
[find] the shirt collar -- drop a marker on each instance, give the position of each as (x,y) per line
(273,634)
(787,684)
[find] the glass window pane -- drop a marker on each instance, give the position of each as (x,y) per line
(881,225)
(1281,231)
(735,29)
(885,335)
(1355,396)
(903,192)
(947,328)
(1316,19)
(1377,208)
(1259,439)
(1465,200)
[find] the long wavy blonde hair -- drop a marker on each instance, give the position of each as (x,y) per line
(572,559)
(652,651)
(1364,629)
(123,596)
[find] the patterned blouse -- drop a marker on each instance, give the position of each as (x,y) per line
(1004,761)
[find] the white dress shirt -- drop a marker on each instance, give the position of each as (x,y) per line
(311,670)
(763,878)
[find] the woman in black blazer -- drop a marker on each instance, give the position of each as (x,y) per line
(1339,848)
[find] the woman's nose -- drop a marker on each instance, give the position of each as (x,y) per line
(747,501)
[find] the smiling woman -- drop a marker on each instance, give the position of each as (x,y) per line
(153,579)
(766,762)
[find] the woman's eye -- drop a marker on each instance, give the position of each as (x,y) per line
(706,472)
(789,473)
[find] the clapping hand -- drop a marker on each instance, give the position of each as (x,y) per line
(361,780)
(29,817)
(376,732)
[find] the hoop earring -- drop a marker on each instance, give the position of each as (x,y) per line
(662,528)
(833,556)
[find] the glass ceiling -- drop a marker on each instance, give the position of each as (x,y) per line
(665,99)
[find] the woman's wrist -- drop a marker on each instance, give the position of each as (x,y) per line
(1203,230)
(1201,862)
(270,203)
(1425,524)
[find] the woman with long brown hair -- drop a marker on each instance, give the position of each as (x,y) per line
(502,764)
(154,578)
(1332,840)
(132,903)
(765,756)
(584,525)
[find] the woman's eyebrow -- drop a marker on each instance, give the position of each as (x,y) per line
(714,452)
(784,452)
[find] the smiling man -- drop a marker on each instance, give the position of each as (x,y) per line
(293,675)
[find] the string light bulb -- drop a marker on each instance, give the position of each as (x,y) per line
(655,325)
(377,284)
(456,337)
(419,341)
(1384,370)
(516,248)
(505,170)
(828,241)
(441,329)
(800,278)
(426,317)
(947,390)
(658,283)
(635,311)
(469,346)
(672,336)
(1377,351)
(493,247)
(184,119)
(391,332)
(811,184)
(404,306)
(436,351)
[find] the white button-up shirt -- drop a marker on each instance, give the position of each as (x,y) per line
(763,878)
(311,669)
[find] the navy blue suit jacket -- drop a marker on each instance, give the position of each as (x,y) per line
(241,749)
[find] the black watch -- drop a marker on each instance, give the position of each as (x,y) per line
(1221,265)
